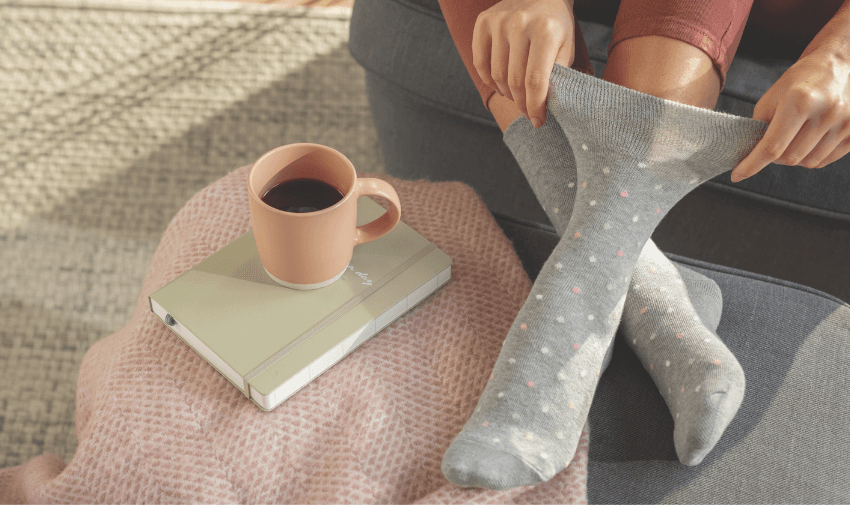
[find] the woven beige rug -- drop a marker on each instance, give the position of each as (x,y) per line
(112,115)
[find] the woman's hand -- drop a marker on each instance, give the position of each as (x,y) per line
(808,109)
(515,44)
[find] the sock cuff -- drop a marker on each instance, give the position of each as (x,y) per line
(645,120)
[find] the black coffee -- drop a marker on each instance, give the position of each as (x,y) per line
(302,195)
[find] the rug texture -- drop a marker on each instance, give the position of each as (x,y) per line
(157,423)
(112,115)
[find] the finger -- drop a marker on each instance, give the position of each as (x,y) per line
(827,145)
(481,50)
(541,58)
(839,152)
(499,61)
(814,129)
(516,72)
(780,132)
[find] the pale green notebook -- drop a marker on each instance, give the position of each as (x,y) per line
(269,340)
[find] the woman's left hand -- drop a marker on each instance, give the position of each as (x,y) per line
(808,109)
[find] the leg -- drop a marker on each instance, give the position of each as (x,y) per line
(665,67)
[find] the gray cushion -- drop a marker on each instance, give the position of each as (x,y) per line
(790,439)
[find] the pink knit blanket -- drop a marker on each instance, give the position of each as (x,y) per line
(156,423)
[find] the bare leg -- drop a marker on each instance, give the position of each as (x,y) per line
(652,64)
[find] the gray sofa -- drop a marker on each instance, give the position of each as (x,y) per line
(777,244)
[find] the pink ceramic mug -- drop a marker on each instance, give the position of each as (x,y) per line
(311,250)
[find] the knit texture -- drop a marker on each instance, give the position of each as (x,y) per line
(156,423)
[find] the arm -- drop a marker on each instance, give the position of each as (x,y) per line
(808,108)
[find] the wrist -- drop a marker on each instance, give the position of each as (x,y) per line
(834,37)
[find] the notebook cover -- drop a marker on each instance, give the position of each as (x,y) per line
(257,327)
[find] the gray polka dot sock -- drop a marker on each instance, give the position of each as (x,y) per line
(636,156)
(671,299)
(699,378)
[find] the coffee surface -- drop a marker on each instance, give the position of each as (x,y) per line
(302,195)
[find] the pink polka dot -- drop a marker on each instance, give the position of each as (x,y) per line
(679,335)
(624,194)
(485,423)
(717,362)
(683,389)
(643,310)
(620,253)
(523,326)
(576,290)
(577,235)
(658,210)
(491,376)
(575,346)
(530,384)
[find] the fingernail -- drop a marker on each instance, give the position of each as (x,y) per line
(738,177)
(536,122)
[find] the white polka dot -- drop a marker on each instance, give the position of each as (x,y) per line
(707,340)
(583,146)
(694,180)
(652,337)
(562,376)
(558,265)
(637,286)
(592,259)
(511,361)
(635,219)
(697,389)
(501,394)
(605,170)
(610,287)
(592,203)
(658,186)
(571,184)
(677,415)
(634,341)
(515,416)
(559,435)
(642,164)
(545,350)
(544,455)
(496,440)
(590,317)
(544,409)
(560,319)
(691,361)
(667,363)
(555,210)
(606,226)
(696,318)
(478,409)
(669,309)
(539,297)
(583,373)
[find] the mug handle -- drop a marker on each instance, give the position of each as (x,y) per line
(388,220)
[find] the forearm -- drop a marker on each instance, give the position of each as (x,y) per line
(834,37)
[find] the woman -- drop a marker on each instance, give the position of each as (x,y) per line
(600,159)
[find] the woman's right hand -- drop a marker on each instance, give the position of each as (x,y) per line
(515,45)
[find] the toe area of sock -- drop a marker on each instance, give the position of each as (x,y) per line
(471,464)
(694,440)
